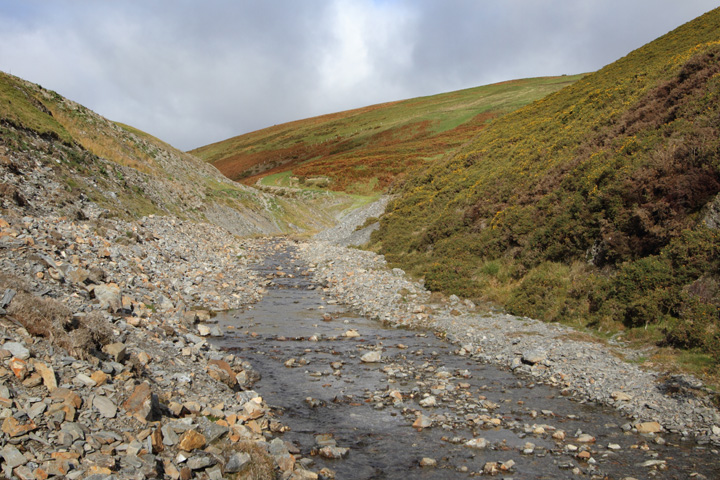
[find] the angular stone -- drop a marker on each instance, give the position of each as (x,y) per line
(48,376)
(14,428)
(12,456)
(237,462)
(199,462)
(534,356)
(203,330)
(191,440)
(78,275)
(621,396)
(105,406)
(86,381)
(17,350)
(430,401)
(170,438)
(116,351)
(156,440)
(142,404)
(221,371)
(109,296)
(422,422)
(19,368)
(67,396)
(648,427)
(99,377)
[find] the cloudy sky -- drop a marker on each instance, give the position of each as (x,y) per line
(195,72)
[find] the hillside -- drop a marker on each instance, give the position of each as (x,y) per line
(367,149)
(596,205)
(80,158)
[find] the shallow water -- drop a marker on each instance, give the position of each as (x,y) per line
(355,409)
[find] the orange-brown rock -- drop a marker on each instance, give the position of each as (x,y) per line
(14,428)
(192,440)
(48,376)
(142,404)
(221,371)
(67,396)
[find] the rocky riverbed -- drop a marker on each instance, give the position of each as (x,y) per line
(107,369)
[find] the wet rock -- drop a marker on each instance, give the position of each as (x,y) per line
(333,452)
(422,422)
(648,427)
(428,462)
(477,443)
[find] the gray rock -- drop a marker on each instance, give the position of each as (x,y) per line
(534,356)
(17,349)
(198,462)
(12,456)
(237,462)
(109,296)
(105,406)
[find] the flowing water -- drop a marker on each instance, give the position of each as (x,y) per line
(313,377)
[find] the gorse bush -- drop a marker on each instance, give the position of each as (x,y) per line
(614,172)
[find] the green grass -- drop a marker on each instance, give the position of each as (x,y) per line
(366,150)
(22,106)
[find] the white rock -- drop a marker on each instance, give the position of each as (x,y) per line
(372,357)
(85,380)
(478,443)
(430,401)
(203,330)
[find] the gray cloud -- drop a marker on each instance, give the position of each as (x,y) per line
(196,72)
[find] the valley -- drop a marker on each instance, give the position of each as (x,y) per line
(518,279)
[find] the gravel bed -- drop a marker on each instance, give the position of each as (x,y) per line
(551,353)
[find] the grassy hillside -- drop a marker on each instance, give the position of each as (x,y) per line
(365,150)
(590,206)
(130,173)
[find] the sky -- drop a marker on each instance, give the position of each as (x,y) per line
(197,72)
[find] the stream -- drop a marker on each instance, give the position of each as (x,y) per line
(309,352)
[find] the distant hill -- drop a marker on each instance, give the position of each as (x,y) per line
(597,205)
(126,172)
(367,149)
